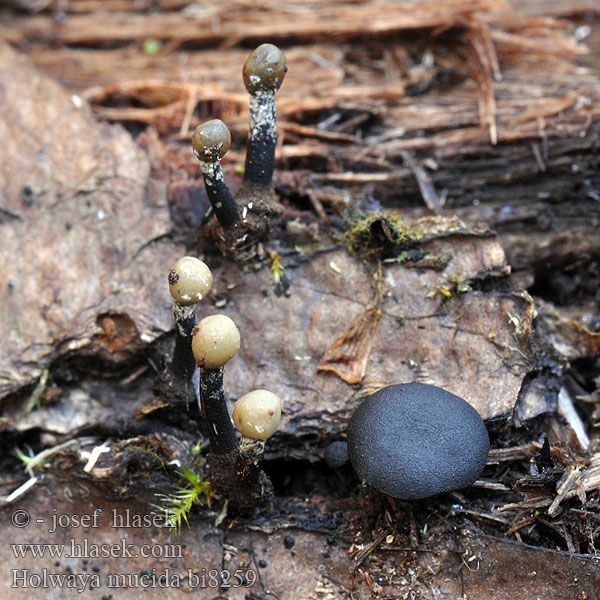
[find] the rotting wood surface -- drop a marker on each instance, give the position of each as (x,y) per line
(441,98)
(292,560)
(109,300)
(494,120)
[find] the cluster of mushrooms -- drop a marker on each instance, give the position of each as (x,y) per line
(209,345)
(250,216)
(408,441)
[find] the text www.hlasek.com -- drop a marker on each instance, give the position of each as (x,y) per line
(84,549)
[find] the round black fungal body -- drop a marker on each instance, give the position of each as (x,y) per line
(412,441)
(336,454)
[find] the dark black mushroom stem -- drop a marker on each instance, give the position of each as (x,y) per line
(263,72)
(210,141)
(183,364)
(214,411)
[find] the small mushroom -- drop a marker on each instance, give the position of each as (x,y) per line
(210,142)
(256,416)
(190,280)
(336,454)
(215,341)
(412,441)
(263,73)
(246,220)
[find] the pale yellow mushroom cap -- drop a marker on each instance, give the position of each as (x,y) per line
(190,280)
(257,414)
(215,341)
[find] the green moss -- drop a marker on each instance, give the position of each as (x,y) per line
(456,286)
(26,459)
(381,234)
(151,457)
(152,46)
(176,507)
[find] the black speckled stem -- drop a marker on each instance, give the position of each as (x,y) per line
(214,410)
(183,364)
(262,137)
(221,200)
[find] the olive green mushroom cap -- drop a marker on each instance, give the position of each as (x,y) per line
(215,341)
(190,280)
(211,140)
(264,69)
(257,414)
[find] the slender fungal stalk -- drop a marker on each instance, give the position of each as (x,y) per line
(262,139)
(221,200)
(238,477)
(214,410)
(210,141)
(215,341)
(263,73)
(183,364)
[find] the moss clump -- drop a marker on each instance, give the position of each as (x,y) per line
(381,234)
(456,286)
(177,506)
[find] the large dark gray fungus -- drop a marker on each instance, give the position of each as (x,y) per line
(413,441)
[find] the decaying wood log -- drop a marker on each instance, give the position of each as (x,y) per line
(348,125)
(231,23)
(430,328)
(484,114)
(306,556)
(386,104)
